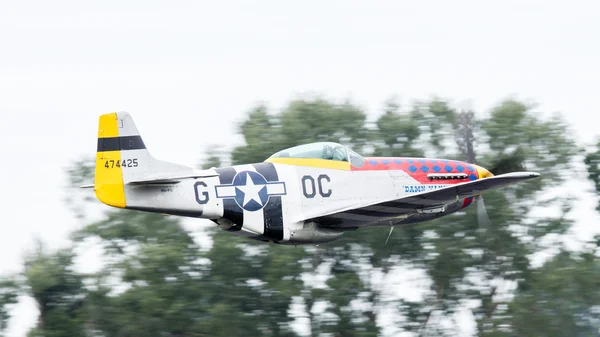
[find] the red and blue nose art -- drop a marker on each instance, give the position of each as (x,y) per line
(418,168)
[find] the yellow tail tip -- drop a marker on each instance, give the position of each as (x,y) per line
(109,187)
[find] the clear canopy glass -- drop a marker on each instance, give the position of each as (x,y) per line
(322,150)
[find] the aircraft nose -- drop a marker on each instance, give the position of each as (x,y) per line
(482,172)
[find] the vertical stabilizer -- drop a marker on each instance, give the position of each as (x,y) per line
(122,157)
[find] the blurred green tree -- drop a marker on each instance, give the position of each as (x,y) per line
(152,281)
(561,297)
(396,132)
(58,291)
(454,250)
(304,121)
(477,254)
(592,163)
(157,281)
(10,289)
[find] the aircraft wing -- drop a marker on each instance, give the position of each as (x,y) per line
(167,179)
(424,203)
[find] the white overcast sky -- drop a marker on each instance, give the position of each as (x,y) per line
(188,70)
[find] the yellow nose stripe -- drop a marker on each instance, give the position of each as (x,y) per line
(483,173)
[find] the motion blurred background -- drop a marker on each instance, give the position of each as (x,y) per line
(219,83)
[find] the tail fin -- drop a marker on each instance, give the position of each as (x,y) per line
(122,157)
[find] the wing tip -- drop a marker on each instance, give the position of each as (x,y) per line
(521,175)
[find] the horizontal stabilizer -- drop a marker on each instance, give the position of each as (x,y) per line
(174,178)
(168,179)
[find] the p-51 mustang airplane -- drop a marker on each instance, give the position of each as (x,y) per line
(306,194)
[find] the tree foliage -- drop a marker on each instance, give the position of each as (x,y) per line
(58,291)
(9,294)
(562,297)
(592,162)
(157,280)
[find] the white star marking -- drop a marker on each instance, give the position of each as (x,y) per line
(251,191)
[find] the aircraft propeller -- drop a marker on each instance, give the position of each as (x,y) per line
(390,234)
(483,218)
(510,161)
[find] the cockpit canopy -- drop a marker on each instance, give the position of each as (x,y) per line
(322,150)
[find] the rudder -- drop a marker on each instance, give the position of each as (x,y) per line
(108,180)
